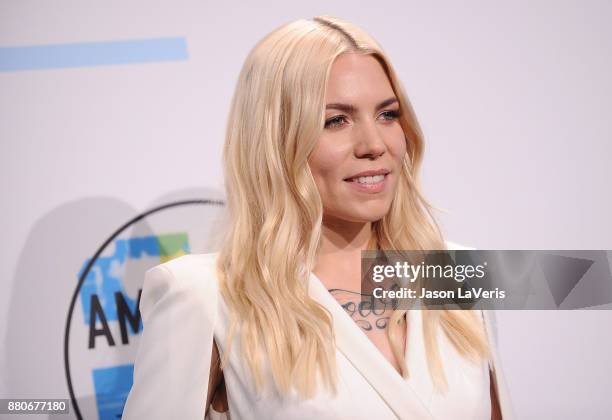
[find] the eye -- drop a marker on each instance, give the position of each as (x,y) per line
(390,115)
(336,121)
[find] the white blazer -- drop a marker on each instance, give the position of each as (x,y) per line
(182,311)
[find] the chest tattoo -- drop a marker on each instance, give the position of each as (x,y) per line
(360,308)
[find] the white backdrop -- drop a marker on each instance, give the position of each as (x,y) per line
(514,99)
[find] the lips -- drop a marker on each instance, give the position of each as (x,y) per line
(369,173)
(372,181)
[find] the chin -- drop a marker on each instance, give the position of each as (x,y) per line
(373,215)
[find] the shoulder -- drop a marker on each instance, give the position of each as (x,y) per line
(187,270)
(191,267)
(487,316)
(456,246)
(189,279)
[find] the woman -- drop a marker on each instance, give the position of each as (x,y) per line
(322,157)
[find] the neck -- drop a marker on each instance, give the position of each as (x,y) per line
(339,258)
(344,237)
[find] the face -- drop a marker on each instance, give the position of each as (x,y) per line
(357,159)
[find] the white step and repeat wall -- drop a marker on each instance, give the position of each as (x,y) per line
(112,118)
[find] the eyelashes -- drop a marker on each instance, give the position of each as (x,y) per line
(336,121)
(391,115)
(340,120)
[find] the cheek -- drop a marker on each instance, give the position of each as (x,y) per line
(325,160)
(321,165)
(397,143)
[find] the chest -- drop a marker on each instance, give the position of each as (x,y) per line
(367,385)
(374,323)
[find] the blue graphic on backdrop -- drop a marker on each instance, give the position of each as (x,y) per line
(89,54)
(105,278)
(112,386)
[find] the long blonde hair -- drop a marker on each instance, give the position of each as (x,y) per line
(276,117)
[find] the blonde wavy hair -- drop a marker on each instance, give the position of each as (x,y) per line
(276,116)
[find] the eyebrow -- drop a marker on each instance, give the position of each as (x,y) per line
(351,108)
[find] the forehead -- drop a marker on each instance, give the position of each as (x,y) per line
(357,78)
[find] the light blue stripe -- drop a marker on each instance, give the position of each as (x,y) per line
(86,54)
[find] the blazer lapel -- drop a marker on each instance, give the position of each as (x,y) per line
(368,360)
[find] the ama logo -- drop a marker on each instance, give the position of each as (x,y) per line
(104,325)
(109,299)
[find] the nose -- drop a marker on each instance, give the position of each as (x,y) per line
(370,143)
